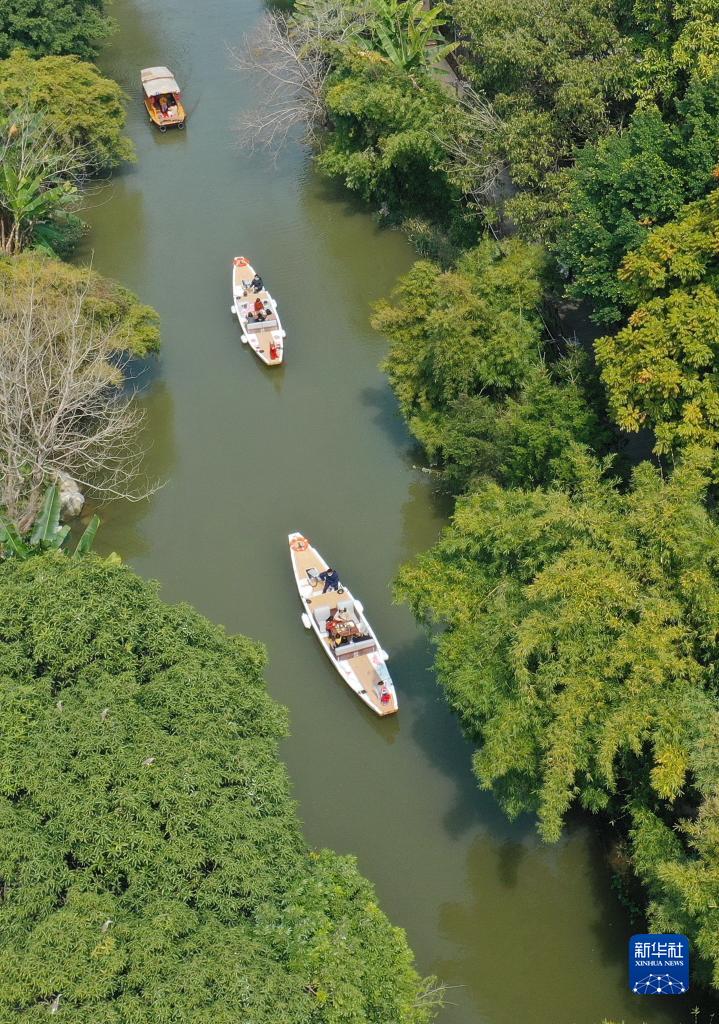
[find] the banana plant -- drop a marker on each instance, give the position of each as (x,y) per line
(47,533)
(36,179)
(408,35)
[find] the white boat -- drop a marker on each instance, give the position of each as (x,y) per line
(342,628)
(257,314)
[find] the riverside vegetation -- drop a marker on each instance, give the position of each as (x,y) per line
(574,599)
(151,862)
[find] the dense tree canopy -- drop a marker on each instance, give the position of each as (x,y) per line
(386,139)
(629,182)
(80,106)
(473,329)
(52,26)
(578,643)
(152,864)
(660,370)
(133,327)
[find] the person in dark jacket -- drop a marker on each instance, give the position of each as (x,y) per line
(256,283)
(331,579)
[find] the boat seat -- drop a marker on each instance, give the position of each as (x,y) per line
(321,616)
(358,647)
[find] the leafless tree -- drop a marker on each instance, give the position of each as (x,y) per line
(289,58)
(65,404)
(475,149)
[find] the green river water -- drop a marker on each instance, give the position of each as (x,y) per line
(522,932)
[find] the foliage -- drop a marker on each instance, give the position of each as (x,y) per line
(151,858)
(660,370)
(629,182)
(38,181)
(475,329)
(386,137)
(526,439)
(555,75)
(53,26)
(134,326)
(576,638)
(65,340)
(78,105)
(407,34)
(680,867)
(47,534)
(674,41)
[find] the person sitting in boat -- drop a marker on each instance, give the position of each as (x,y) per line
(259,306)
(331,579)
(340,627)
(163,106)
(256,283)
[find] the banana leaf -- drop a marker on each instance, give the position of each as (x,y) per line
(88,536)
(48,521)
(12,540)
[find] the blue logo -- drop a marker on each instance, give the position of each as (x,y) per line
(659,965)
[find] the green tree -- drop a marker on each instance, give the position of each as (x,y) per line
(53,26)
(556,75)
(626,184)
(576,638)
(660,369)
(131,325)
(674,41)
(524,440)
(679,865)
(473,329)
(78,105)
(152,863)
(386,134)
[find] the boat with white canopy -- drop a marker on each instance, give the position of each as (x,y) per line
(341,626)
(161,94)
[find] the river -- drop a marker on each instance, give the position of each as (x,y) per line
(521,932)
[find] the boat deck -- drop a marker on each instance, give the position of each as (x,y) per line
(265,333)
(361,663)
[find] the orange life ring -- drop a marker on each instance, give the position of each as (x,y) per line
(240,261)
(299,544)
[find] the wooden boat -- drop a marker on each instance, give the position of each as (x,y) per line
(161,94)
(350,642)
(264,336)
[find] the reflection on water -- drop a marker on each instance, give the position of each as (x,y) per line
(523,932)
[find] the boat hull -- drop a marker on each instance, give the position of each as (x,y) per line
(361,664)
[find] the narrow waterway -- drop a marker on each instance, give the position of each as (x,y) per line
(520,931)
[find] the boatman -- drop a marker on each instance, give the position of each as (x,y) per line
(331,579)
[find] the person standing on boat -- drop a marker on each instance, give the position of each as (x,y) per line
(331,579)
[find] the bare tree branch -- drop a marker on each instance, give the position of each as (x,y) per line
(65,405)
(289,58)
(478,167)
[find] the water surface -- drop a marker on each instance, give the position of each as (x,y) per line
(521,932)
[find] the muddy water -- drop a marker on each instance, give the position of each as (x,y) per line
(520,932)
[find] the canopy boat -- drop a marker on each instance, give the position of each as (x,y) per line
(340,624)
(257,312)
(162,98)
